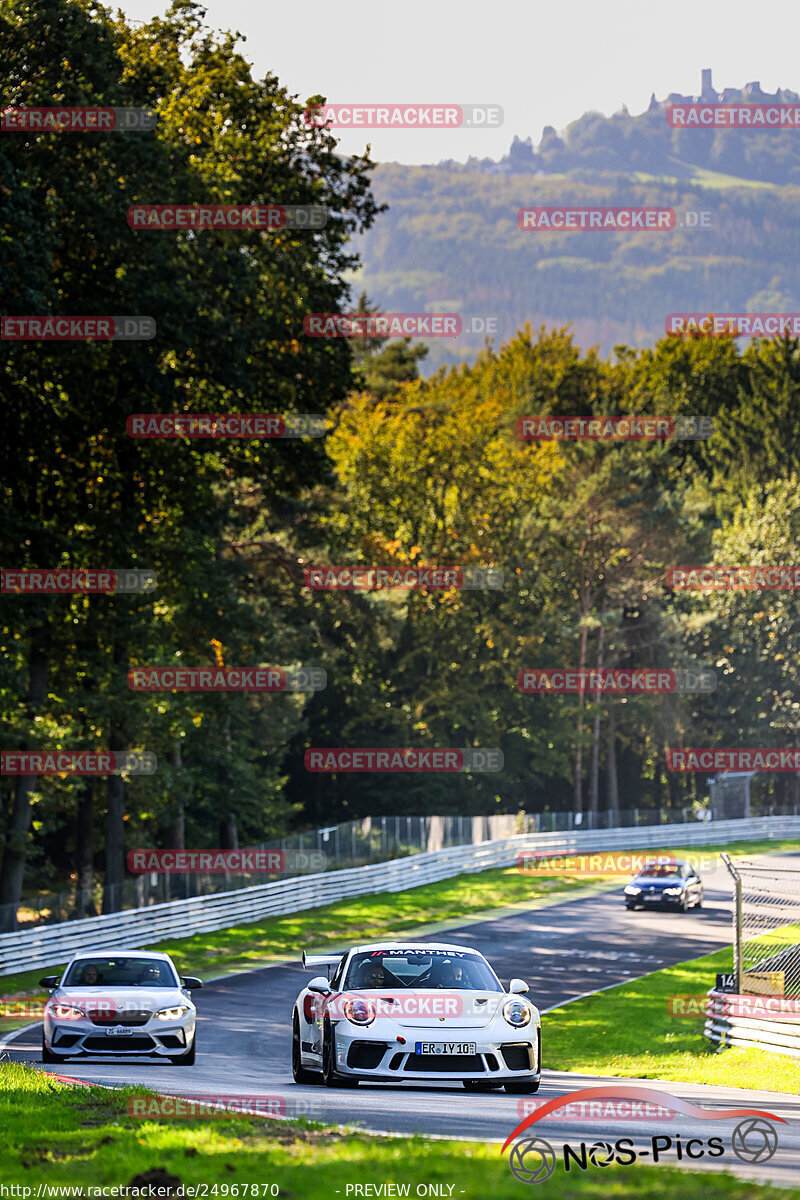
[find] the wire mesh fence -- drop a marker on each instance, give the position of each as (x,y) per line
(766,920)
(348,844)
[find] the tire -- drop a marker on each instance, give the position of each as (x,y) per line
(330,1076)
(683,905)
(49,1057)
(300,1074)
(186,1060)
(630,907)
(522,1087)
(479,1085)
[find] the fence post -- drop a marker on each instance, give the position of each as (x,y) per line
(737,921)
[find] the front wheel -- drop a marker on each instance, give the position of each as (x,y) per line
(330,1076)
(523,1087)
(186,1060)
(49,1057)
(300,1074)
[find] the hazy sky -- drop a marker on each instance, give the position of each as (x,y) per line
(544,63)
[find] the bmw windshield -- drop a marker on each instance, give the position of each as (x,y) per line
(120,972)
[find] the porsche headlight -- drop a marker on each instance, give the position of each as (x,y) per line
(630,890)
(66,1012)
(517,1013)
(360,1012)
(172,1014)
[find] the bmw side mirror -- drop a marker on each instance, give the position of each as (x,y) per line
(49,981)
(319,984)
(191,982)
(518,987)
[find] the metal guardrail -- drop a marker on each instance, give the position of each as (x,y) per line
(750,1033)
(51,945)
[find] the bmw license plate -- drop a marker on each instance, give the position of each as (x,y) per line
(118,1031)
(445,1047)
(653,899)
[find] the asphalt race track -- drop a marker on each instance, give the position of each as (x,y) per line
(563,950)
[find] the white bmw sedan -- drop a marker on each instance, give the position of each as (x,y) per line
(127,1003)
(400,1012)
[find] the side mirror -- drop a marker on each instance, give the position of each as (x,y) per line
(190,982)
(49,981)
(319,984)
(518,987)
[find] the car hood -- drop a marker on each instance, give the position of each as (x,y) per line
(140,999)
(424,1008)
(659,885)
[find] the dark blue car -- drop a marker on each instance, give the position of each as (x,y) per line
(665,885)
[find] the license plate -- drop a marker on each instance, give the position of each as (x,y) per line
(445,1047)
(118,1031)
(652,899)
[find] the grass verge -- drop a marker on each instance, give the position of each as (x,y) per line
(649,1043)
(60,1135)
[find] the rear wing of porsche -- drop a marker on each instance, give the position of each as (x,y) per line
(326,961)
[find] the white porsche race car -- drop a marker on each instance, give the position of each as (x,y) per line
(405,1012)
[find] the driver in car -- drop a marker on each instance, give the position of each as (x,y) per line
(450,975)
(371,975)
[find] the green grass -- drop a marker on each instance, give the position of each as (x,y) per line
(62,1135)
(627,1031)
(368,918)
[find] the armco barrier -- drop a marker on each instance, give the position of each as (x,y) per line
(751,1033)
(50,945)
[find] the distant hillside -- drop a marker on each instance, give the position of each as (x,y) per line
(458,223)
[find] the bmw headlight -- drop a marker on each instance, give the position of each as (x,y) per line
(676,891)
(517,1013)
(360,1012)
(630,890)
(67,1012)
(173,1014)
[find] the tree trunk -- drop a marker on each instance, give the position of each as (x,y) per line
(115,810)
(594,777)
(229,834)
(19,822)
(84,852)
(577,802)
(611,764)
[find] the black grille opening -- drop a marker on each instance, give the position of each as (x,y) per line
(366,1056)
(466,1063)
(171,1039)
(123,1018)
(122,1045)
(492,1062)
(518,1057)
(394,1065)
(65,1039)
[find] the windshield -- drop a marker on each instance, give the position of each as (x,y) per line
(456,970)
(661,871)
(120,972)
